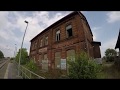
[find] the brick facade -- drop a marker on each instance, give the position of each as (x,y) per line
(81,39)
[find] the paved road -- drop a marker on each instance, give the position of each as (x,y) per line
(3,68)
(9,71)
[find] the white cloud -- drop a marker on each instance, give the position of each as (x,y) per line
(3,19)
(113,17)
(109,44)
(8,51)
(12,24)
(95,32)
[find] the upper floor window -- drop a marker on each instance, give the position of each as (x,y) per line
(46,40)
(58,35)
(35,44)
(69,31)
(41,42)
(32,46)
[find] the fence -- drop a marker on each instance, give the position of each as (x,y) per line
(27,74)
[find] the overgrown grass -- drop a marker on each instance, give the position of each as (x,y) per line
(109,71)
(53,74)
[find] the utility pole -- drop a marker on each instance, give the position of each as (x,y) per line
(15,51)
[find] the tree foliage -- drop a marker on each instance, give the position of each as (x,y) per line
(24,56)
(32,66)
(1,54)
(110,54)
(83,67)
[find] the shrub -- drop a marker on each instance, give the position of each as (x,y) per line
(32,66)
(83,67)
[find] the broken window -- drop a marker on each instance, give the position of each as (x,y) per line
(58,35)
(69,31)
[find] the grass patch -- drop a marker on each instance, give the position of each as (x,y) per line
(109,71)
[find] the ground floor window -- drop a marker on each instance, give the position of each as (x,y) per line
(70,56)
(57,60)
(45,62)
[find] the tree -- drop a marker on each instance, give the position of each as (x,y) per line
(1,54)
(110,54)
(24,56)
(83,67)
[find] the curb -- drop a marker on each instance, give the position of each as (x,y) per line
(3,64)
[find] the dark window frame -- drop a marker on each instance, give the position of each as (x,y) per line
(57,34)
(69,30)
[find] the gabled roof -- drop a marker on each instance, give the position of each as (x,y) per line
(118,41)
(64,18)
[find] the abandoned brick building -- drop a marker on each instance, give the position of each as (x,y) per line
(64,38)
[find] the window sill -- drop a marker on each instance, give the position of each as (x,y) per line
(69,37)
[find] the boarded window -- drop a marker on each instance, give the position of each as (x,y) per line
(70,56)
(57,60)
(45,62)
(69,31)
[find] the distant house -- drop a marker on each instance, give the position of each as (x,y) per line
(118,43)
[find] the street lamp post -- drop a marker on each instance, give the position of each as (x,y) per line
(15,51)
(21,48)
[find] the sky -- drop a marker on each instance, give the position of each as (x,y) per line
(105,27)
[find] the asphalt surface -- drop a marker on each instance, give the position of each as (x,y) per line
(11,71)
(8,70)
(3,67)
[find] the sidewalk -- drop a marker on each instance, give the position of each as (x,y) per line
(11,71)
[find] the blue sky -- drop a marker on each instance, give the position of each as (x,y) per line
(104,25)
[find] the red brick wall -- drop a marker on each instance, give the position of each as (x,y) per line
(76,42)
(96,49)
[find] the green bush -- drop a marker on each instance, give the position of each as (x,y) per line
(83,67)
(32,66)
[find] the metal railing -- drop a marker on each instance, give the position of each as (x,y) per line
(27,74)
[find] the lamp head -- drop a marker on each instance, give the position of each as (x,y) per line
(26,21)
